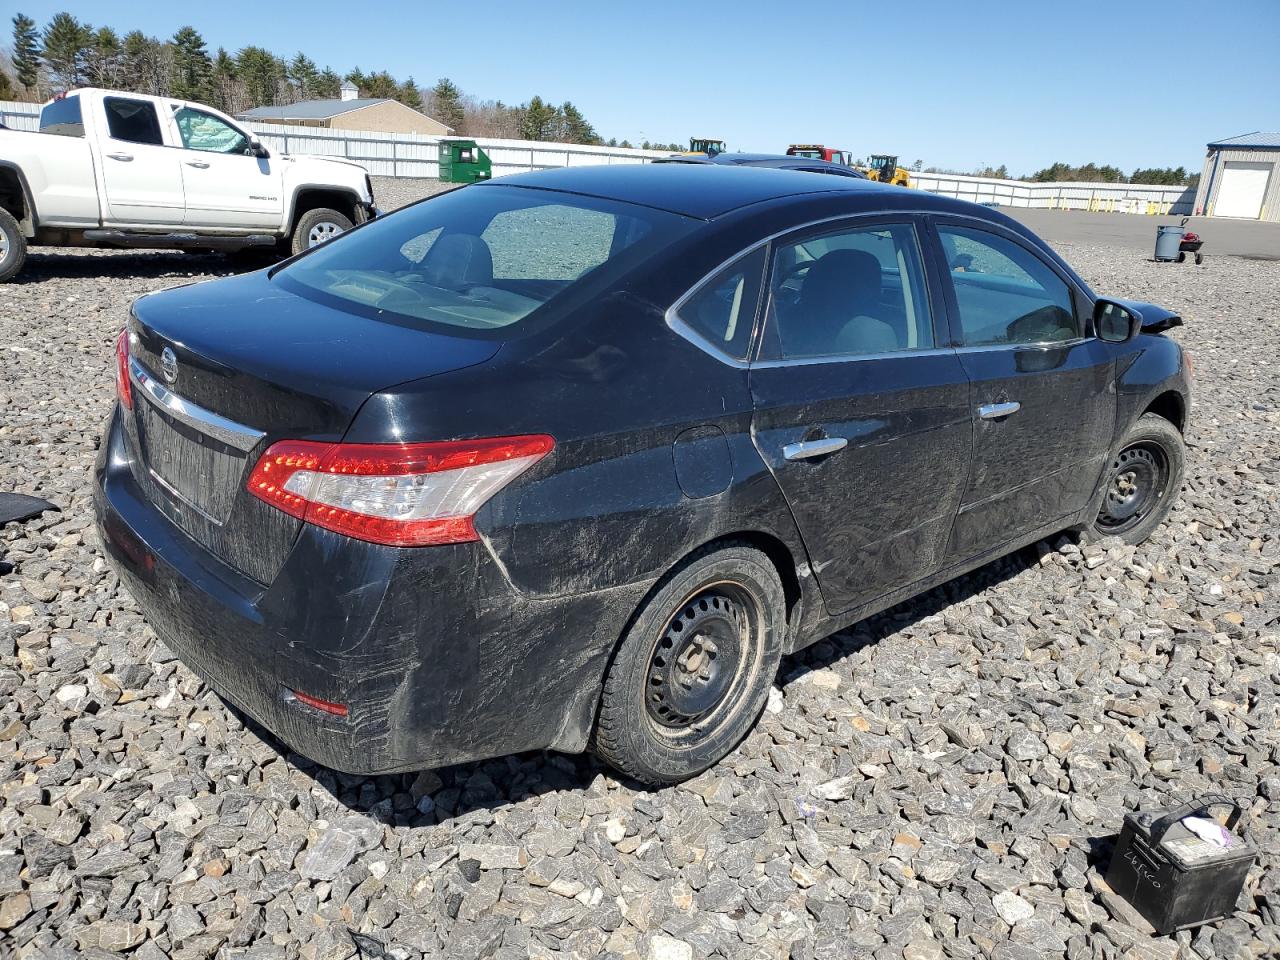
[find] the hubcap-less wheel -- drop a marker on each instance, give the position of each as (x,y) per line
(4,246)
(322,231)
(1137,483)
(698,660)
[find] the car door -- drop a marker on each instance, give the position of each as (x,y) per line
(1042,397)
(225,183)
(140,174)
(859,413)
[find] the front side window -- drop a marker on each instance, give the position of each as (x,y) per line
(722,310)
(1005,294)
(133,121)
(205,132)
(851,292)
(484,258)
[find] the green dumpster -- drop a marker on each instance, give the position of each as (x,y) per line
(462,161)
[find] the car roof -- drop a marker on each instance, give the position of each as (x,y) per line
(701,190)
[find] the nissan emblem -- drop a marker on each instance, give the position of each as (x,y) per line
(169,365)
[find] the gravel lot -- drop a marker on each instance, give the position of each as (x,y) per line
(941,781)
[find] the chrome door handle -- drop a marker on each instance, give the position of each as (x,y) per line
(814,448)
(198,163)
(121,156)
(996,411)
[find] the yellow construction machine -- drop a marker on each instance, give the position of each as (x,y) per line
(885,169)
(704,145)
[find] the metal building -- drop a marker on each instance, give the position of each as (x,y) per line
(1241,178)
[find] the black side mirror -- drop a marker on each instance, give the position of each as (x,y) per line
(1114,322)
(256,149)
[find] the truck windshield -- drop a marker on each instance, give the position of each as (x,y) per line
(483,259)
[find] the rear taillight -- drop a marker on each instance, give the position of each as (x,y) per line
(123,390)
(408,495)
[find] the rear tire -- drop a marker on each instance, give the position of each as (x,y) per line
(316,226)
(13,247)
(1142,482)
(1199,259)
(1182,256)
(693,671)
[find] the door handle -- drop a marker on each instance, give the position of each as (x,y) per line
(806,449)
(121,156)
(198,163)
(997,411)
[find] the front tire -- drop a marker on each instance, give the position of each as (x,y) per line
(693,671)
(316,226)
(13,247)
(1143,480)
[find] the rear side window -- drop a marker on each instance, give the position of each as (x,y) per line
(484,258)
(1005,294)
(722,310)
(851,292)
(62,118)
(133,121)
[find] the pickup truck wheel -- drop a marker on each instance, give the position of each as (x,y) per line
(316,226)
(693,671)
(13,247)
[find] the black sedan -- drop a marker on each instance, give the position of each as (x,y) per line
(568,460)
(771,161)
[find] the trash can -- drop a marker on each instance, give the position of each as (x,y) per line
(462,161)
(1168,238)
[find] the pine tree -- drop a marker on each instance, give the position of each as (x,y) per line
(192,69)
(261,72)
(381,85)
(26,51)
(104,59)
(539,120)
(446,104)
(64,49)
(148,64)
(224,87)
(410,95)
(328,84)
(6,87)
(576,128)
(304,76)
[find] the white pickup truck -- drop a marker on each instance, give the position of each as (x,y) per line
(127,170)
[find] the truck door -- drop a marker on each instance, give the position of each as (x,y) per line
(140,175)
(226,185)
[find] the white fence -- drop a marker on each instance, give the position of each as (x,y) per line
(415,155)
(1098,197)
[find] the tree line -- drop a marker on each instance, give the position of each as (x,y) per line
(1085,173)
(69,53)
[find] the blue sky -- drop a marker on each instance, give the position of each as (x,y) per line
(957,85)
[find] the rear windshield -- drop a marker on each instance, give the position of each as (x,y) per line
(483,259)
(62,118)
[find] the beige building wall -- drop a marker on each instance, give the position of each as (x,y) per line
(388,117)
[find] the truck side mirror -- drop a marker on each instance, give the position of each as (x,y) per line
(256,149)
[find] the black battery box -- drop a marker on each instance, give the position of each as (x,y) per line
(1173,877)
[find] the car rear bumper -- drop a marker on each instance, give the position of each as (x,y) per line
(436,657)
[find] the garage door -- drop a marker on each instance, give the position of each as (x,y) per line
(1243,186)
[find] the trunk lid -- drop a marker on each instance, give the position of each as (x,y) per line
(248,364)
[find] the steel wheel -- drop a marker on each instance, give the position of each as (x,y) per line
(692,672)
(698,664)
(322,231)
(1136,486)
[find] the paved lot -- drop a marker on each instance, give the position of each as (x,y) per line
(1240,238)
(942,780)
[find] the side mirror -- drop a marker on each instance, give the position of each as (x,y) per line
(1115,322)
(256,149)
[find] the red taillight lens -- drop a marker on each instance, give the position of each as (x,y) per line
(123,390)
(409,495)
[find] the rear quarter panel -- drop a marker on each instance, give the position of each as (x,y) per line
(59,172)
